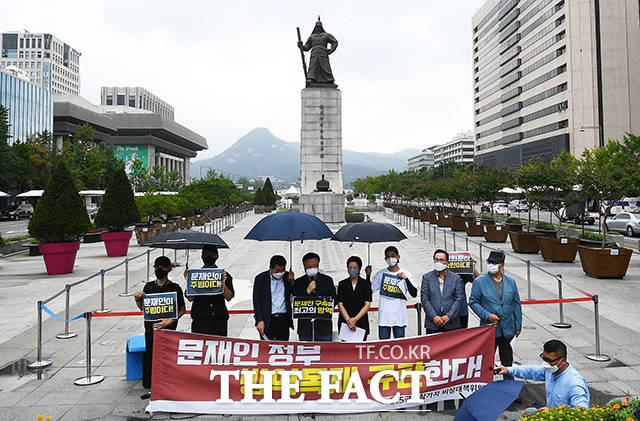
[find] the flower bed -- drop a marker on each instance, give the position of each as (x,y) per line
(621,410)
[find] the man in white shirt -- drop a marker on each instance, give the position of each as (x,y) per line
(393,284)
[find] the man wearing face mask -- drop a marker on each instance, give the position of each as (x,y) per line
(495,299)
(393,284)
(442,296)
(209,313)
(162,266)
(315,284)
(272,290)
(354,298)
(563,384)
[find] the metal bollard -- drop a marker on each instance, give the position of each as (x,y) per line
(148,263)
(126,292)
(529,280)
(102,309)
(444,237)
(481,260)
(561,324)
(39,362)
(466,243)
(418,307)
(454,240)
(597,356)
(429,229)
(66,334)
(88,379)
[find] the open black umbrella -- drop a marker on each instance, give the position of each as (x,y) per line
(186,240)
(490,401)
(369,232)
(289,226)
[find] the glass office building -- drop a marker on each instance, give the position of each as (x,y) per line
(30,107)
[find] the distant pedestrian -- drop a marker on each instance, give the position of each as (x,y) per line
(354,298)
(442,296)
(162,266)
(495,299)
(393,284)
(272,290)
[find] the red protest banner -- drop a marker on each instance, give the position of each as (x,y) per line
(207,374)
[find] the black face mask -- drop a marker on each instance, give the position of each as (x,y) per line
(209,260)
(161,273)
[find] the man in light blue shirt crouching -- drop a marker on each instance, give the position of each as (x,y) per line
(563,384)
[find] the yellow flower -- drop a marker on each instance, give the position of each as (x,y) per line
(616,406)
(625,403)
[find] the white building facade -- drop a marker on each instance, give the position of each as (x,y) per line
(136,97)
(424,160)
(459,150)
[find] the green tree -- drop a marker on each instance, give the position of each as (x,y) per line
(60,214)
(528,177)
(6,170)
(139,176)
(118,209)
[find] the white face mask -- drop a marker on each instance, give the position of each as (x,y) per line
(439,266)
(550,368)
(277,275)
(392,261)
(311,272)
(493,268)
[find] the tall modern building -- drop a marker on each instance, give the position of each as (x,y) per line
(424,160)
(50,63)
(459,150)
(136,98)
(553,75)
(30,106)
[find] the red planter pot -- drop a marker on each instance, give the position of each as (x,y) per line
(117,243)
(59,257)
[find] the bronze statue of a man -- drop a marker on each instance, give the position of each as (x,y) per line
(319,73)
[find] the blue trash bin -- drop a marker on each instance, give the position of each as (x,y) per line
(135,348)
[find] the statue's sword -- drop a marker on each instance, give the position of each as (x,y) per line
(304,62)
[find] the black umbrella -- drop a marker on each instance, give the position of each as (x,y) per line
(186,240)
(369,232)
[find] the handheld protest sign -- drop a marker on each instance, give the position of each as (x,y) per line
(160,306)
(460,263)
(312,307)
(205,282)
(390,287)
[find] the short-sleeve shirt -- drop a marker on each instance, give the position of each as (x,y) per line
(392,311)
(211,306)
(153,288)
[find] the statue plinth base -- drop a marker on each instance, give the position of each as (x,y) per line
(328,206)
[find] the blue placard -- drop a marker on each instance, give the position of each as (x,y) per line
(390,286)
(160,306)
(205,282)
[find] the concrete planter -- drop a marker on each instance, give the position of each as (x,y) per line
(558,250)
(354,217)
(524,242)
(474,229)
(59,258)
(607,263)
(495,233)
(116,243)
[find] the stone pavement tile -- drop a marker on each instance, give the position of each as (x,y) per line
(86,412)
(11,398)
(624,373)
(611,387)
(65,396)
(28,413)
(596,374)
(98,396)
(111,371)
(116,383)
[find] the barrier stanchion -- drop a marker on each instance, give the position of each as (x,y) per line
(466,243)
(597,356)
(419,314)
(529,279)
(39,362)
(429,230)
(444,237)
(148,263)
(561,324)
(453,234)
(102,309)
(126,292)
(66,334)
(481,260)
(88,379)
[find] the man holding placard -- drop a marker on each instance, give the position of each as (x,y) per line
(207,289)
(162,304)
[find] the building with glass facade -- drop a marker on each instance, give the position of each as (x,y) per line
(30,107)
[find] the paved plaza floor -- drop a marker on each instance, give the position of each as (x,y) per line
(25,394)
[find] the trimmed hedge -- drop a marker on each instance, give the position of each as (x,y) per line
(60,215)
(118,209)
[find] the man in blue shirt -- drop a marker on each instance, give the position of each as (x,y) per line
(272,300)
(563,384)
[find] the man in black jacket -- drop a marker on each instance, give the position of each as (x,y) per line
(272,301)
(314,284)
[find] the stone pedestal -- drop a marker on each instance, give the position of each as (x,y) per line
(327,206)
(321,153)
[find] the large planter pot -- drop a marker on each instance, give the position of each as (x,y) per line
(524,242)
(354,217)
(488,221)
(495,233)
(443,220)
(92,237)
(608,263)
(546,233)
(514,226)
(596,243)
(432,217)
(458,223)
(474,229)
(59,257)
(116,243)
(558,250)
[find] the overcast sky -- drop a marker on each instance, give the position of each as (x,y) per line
(404,67)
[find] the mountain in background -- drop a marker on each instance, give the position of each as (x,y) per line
(260,153)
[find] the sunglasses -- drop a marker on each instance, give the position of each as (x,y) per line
(548,360)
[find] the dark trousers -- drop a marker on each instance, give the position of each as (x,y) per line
(431,331)
(503,345)
(209,326)
(147,358)
(278,328)
(464,320)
